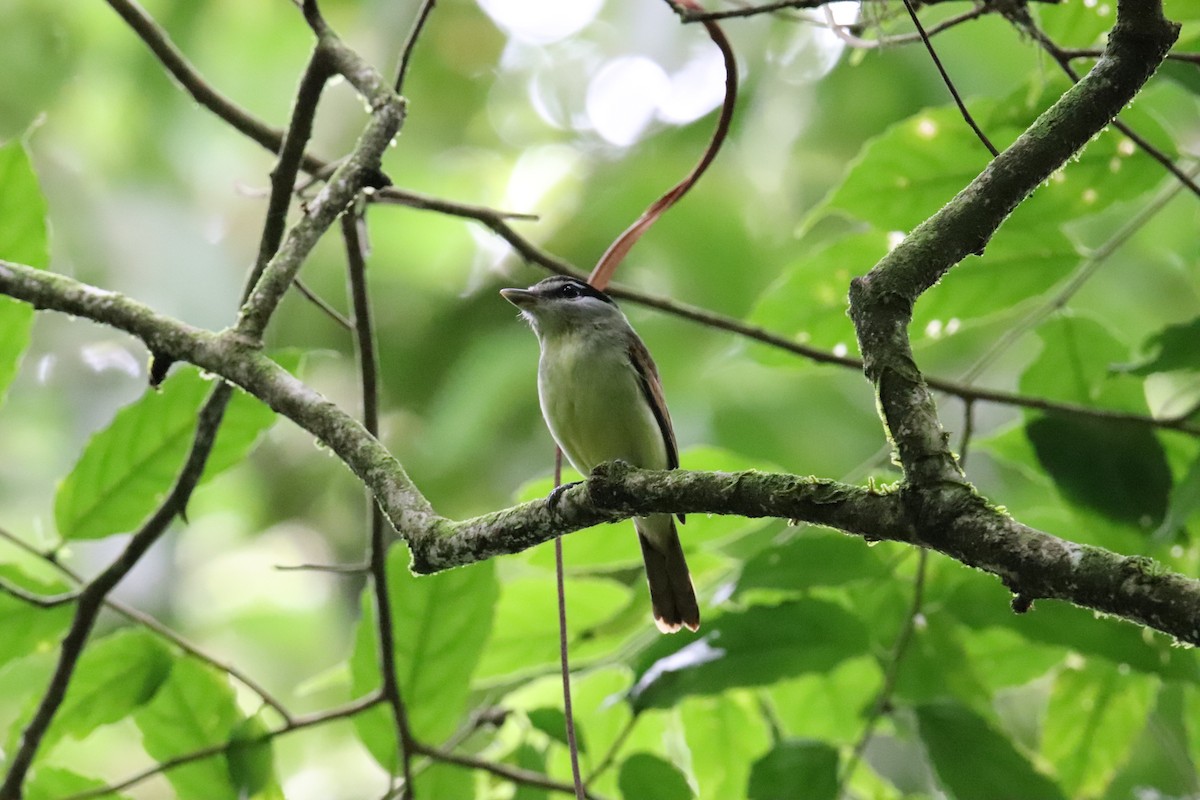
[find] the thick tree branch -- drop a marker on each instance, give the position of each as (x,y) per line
(948,518)
(881,302)
(91,598)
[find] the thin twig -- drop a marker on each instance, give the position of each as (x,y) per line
(958,101)
(883,701)
(246,123)
(283,175)
(194,84)
(688,14)
(964,442)
(514,774)
(411,43)
(607,265)
(368,368)
(336,569)
(563,658)
(611,755)
(34,599)
(322,304)
(857,42)
(149,622)
(1072,54)
(299,723)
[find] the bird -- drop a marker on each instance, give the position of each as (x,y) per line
(602,400)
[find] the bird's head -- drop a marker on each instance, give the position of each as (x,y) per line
(561,304)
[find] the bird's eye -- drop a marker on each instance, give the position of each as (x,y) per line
(569,291)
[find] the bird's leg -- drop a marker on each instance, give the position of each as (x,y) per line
(555,495)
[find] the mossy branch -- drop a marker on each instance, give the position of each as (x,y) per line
(881,302)
(950,518)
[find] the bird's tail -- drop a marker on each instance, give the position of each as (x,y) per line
(671,592)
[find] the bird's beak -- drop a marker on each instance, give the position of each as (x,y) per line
(521,298)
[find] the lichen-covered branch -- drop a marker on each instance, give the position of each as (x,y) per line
(951,519)
(360,169)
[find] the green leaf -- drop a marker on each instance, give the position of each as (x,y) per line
(1075,365)
(440,625)
(980,601)
(754,647)
(528,757)
(827,705)
(1172,395)
(1120,471)
(725,735)
(809,301)
(1159,764)
(1022,262)
(54,783)
(24,627)
(129,466)
(645,775)
(525,636)
(1076,24)
(1190,701)
(1185,501)
(445,780)
(795,770)
(1093,718)
(975,761)
(811,558)
(910,171)
(251,759)
(194,709)
(116,675)
(22,240)
(553,723)
(1174,347)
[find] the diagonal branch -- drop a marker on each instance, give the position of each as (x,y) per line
(270,280)
(881,302)
(91,600)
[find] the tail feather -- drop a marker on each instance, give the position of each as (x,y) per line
(671,593)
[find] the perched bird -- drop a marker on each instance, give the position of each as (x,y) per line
(602,400)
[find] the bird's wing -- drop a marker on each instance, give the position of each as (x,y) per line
(647,372)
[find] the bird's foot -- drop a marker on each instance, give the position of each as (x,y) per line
(555,495)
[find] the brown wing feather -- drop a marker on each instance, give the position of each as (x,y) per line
(648,379)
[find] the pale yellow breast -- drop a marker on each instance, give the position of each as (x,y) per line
(594,407)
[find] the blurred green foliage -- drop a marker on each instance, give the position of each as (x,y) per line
(130,185)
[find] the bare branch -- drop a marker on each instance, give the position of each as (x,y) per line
(958,101)
(411,43)
(368,369)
